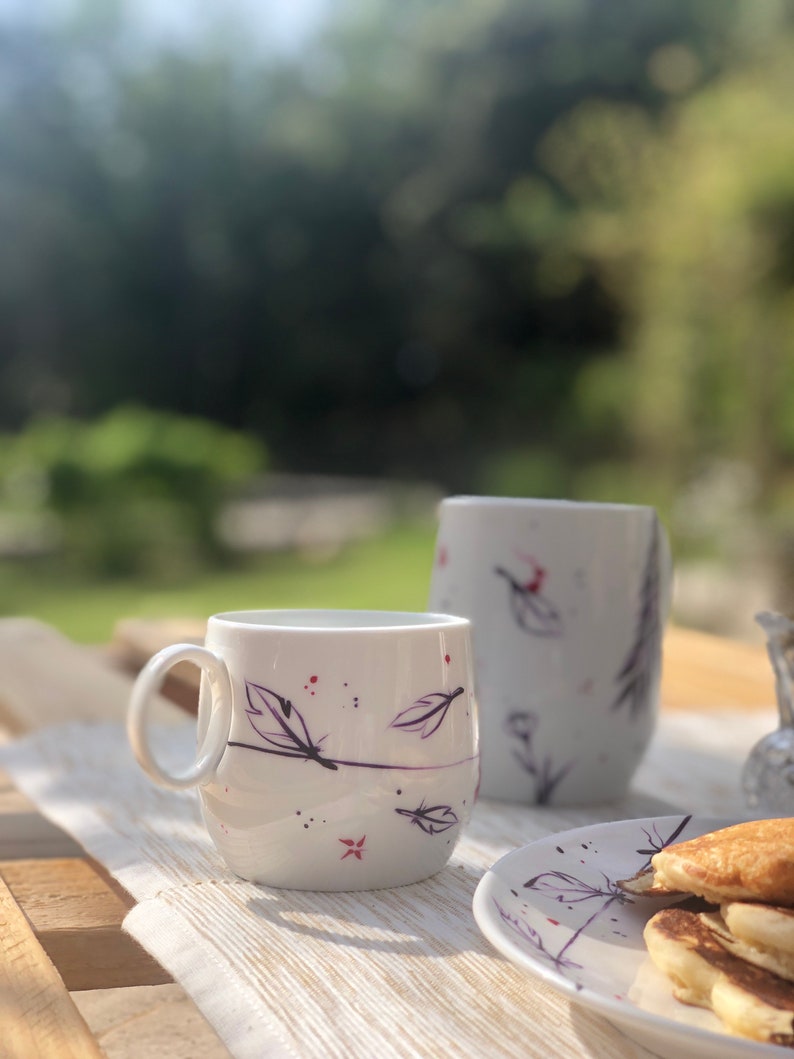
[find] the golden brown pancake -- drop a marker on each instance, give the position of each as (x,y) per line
(749,1000)
(761,934)
(761,924)
(753,861)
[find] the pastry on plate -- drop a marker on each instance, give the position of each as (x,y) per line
(752,861)
(759,933)
(751,1001)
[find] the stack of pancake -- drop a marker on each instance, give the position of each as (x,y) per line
(729,945)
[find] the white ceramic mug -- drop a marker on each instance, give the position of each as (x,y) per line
(568,602)
(338,750)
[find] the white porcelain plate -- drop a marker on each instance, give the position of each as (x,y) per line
(554,909)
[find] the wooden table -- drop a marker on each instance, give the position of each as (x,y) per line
(71,981)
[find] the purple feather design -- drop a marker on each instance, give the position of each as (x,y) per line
(289,740)
(427,714)
(284,732)
(431,819)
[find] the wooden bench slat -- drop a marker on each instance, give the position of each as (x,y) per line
(29,835)
(47,679)
(135,640)
(37,1015)
(702,671)
(74,908)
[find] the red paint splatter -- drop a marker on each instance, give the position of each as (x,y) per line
(538,573)
(443,555)
(447,659)
(554,922)
(355,848)
(312,680)
(536,583)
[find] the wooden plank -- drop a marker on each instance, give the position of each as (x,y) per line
(75,909)
(702,671)
(135,640)
(38,1017)
(28,836)
(47,679)
(140,638)
(156,1021)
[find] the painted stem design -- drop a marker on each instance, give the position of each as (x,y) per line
(292,738)
(521,725)
(334,763)
(569,890)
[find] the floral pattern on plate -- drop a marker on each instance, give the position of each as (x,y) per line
(554,908)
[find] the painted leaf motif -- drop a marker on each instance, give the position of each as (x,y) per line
(640,667)
(289,740)
(567,889)
(280,740)
(532,611)
(535,613)
(427,714)
(270,706)
(431,819)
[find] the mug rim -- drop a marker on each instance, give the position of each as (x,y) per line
(337,620)
(554,503)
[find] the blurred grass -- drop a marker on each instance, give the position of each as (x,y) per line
(391,572)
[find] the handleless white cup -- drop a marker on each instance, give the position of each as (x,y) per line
(567,602)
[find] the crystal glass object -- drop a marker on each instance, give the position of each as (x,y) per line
(768,776)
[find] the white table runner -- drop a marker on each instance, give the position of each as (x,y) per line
(394,973)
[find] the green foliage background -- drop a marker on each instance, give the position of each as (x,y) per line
(519,248)
(133,492)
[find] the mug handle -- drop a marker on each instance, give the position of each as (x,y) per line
(213,745)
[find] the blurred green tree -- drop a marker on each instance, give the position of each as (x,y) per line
(134,491)
(690,225)
(374,253)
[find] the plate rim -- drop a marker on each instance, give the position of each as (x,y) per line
(618,1012)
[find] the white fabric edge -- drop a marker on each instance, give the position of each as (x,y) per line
(163,932)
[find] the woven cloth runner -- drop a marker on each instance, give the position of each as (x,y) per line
(391,973)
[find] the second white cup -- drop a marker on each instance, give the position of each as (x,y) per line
(567,602)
